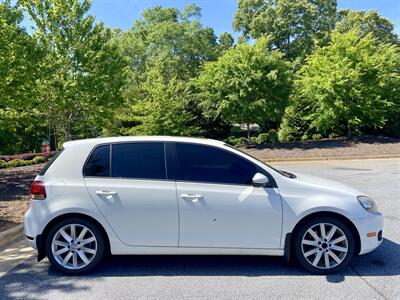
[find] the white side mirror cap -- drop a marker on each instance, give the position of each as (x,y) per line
(260,180)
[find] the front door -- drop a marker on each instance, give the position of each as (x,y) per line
(133,192)
(218,206)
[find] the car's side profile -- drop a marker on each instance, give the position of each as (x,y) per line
(171,195)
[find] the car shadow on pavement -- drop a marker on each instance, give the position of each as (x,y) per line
(34,280)
(384,261)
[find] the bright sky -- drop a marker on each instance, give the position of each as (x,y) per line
(217,14)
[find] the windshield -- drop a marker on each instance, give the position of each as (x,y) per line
(283,173)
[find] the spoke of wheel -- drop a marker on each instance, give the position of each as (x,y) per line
(310,243)
(308,253)
(61,251)
(88,250)
(326,257)
(313,234)
(331,233)
(337,259)
(82,234)
(82,255)
(59,243)
(75,260)
(338,248)
(73,232)
(65,235)
(67,258)
(317,258)
(88,240)
(338,240)
(323,233)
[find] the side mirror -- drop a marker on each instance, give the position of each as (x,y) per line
(260,180)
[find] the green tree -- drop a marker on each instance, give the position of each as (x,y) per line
(225,41)
(367,22)
(19,55)
(173,45)
(350,86)
(163,112)
(83,72)
(246,85)
(294,27)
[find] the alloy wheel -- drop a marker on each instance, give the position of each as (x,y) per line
(324,246)
(74,246)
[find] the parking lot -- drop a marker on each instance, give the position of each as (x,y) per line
(373,276)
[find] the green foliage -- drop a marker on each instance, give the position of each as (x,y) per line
(367,22)
(316,137)
(293,27)
(246,85)
(3,164)
(82,72)
(16,163)
(163,111)
(225,41)
(38,160)
(19,55)
(271,137)
(236,141)
(165,49)
(351,85)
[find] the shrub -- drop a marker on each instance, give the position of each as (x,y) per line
(15,163)
(3,164)
(270,137)
(234,141)
(316,137)
(38,160)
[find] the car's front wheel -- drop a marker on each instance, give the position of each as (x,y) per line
(75,246)
(324,245)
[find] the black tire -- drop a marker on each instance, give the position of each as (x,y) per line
(100,253)
(299,251)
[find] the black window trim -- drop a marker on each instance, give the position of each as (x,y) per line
(179,176)
(110,144)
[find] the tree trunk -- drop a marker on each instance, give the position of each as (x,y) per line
(248,132)
(349,131)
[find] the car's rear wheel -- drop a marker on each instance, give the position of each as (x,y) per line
(75,246)
(324,245)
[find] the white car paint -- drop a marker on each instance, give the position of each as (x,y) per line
(192,218)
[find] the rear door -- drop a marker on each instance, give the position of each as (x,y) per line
(129,183)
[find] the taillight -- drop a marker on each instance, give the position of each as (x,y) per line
(38,191)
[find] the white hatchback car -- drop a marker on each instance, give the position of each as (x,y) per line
(171,195)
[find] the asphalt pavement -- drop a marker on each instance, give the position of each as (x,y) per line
(371,276)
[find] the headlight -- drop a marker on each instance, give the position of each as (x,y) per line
(367,203)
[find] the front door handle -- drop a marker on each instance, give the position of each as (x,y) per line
(193,198)
(106,193)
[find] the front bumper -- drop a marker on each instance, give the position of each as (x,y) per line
(370,230)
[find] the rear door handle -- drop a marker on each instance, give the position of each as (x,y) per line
(194,198)
(106,193)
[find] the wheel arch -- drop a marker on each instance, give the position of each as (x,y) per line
(41,239)
(289,238)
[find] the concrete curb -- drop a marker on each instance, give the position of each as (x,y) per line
(330,158)
(11,235)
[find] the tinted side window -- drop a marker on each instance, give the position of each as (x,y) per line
(209,164)
(99,162)
(138,160)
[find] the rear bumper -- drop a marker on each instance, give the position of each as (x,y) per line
(370,230)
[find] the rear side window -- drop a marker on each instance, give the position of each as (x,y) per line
(98,163)
(209,164)
(138,160)
(50,162)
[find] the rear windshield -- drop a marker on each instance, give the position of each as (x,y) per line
(49,163)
